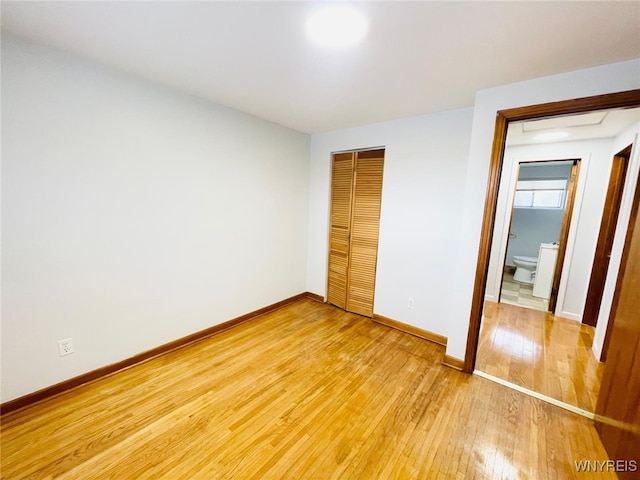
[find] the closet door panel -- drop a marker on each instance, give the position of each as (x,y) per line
(340,228)
(367,195)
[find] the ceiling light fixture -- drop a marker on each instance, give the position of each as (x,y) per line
(550,136)
(336,26)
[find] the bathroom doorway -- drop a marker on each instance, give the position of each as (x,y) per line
(542,200)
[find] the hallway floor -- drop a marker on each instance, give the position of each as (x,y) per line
(536,350)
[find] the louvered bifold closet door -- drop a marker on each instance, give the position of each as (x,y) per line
(340,228)
(367,198)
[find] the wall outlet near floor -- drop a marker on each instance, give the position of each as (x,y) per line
(65,346)
(410,304)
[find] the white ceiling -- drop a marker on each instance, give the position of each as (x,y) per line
(600,124)
(419,57)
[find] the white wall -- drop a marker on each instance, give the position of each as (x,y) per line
(605,79)
(628,137)
(133,215)
(425,162)
(587,213)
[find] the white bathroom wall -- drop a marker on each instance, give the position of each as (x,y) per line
(425,161)
(529,228)
(133,215)
(582,83)
(629,137)
(583,233)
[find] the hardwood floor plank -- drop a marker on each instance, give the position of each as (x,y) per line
(308,392)
(535,350)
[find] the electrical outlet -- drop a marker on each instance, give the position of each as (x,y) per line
(410,304)
(65,346)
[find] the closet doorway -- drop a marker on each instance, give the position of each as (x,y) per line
(356,195)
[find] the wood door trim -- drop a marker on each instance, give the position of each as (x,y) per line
(624,99)
(564,234)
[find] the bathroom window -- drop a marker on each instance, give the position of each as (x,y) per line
(541,193)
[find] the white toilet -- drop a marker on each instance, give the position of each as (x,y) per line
(525,266)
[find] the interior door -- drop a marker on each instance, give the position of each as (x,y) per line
(367,198)
(356,195)
(618,408)
(340,227)
(564,234)
(605,237)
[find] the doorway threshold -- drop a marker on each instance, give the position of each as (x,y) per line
(539,396)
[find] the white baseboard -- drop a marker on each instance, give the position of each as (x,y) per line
(596,349)
(570,316)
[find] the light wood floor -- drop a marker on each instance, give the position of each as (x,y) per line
(308,392)
(541,352)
